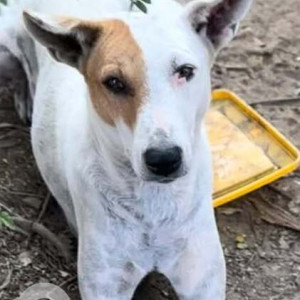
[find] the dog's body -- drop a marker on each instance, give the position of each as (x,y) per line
(129,222)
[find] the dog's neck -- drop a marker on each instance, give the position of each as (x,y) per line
(131,198)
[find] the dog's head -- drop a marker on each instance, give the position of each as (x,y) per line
(148,75)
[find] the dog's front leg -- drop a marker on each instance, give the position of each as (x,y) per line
(104,270)
(200,271)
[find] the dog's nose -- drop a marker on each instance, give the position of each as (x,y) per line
(163,162)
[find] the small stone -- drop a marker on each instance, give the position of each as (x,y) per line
(242,246)
(25,258)
(283,243)
(229,211)
(64,274)
(241,238)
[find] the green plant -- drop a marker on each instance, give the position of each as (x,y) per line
(140,4)
(5,220)
(3,1)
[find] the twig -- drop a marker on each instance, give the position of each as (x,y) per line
(42,231)
(44,207)
(275,214)
(279,192)
(68,281)
(286,51)
(8,134)
(14,126)
(7,280)
(9,144)
(232,67)
(18,193)
(3,206)
(41,214)
(19,230)
(265,51)
(237,68)
(282,101)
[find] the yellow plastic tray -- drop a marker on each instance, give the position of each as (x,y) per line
(248,152)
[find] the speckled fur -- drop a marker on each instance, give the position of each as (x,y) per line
(127,226)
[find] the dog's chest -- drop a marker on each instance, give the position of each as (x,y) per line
(147,225)
(148,248)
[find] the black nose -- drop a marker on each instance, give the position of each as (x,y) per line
(163,162)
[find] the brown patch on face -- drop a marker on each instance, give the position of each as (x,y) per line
(116,54)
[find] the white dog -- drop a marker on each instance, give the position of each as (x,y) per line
(118,133)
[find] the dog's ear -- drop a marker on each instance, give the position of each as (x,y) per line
(68,40)
(217,20)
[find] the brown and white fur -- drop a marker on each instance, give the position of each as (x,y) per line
(118,133)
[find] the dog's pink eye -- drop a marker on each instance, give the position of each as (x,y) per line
(186,71)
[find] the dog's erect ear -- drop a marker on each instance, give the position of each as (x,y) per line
(218,20)
(68,41)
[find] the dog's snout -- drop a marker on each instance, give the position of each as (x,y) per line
(163,162)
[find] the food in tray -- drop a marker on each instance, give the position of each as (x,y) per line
(236,158)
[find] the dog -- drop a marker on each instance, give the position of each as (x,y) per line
(119,98)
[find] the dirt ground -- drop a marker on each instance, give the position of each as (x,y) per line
(262,64)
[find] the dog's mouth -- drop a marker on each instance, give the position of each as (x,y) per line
(164,179)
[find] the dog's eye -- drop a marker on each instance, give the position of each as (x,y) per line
(115,85)
(186,71)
